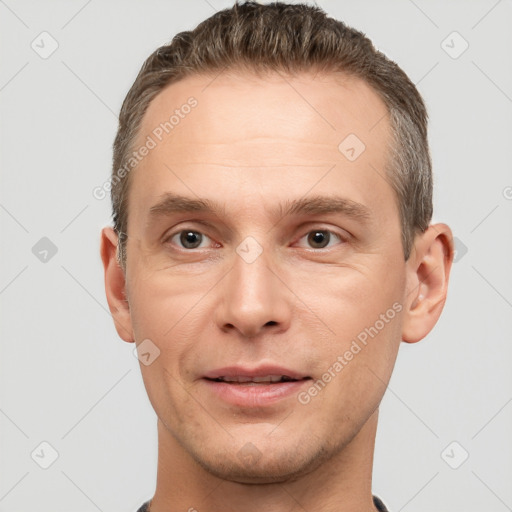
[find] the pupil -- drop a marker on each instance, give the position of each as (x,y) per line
(190,239)
(319,239)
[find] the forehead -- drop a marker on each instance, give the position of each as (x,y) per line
(236,111)
(275,132)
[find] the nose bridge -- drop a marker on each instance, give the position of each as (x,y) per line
(253,297)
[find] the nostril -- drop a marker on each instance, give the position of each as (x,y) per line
(271,322)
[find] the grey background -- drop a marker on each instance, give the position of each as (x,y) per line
(66,378)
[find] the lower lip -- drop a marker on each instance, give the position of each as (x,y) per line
(254,395)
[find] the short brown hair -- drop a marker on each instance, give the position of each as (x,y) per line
(290,38)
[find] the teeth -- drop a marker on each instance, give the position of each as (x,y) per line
(270,378)
(267,378)
(236,379)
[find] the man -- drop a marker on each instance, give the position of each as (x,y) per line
(271,248)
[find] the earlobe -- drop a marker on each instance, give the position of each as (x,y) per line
(115,285)
(428,272)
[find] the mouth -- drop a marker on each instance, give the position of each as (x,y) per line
(250,388)
(253,380)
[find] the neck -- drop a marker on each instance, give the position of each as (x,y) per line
(343,482)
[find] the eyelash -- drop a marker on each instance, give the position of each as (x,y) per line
(341,238)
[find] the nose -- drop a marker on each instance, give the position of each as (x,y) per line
(253,299)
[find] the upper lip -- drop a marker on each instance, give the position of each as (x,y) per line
(259,371)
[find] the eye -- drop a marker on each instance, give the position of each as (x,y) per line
(321,238)
(190,239)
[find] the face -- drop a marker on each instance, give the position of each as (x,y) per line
(264,263)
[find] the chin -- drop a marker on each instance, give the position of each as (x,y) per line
(270,465)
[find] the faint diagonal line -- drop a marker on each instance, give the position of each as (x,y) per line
(378,121)
(491,80)
(214,489)
(311,106)
(14,218)
(305,194)
(14,485)
(411,410)
(407,502)
(12,12)
(14,423)
(81,491)
(13,279)
(424,14)
(492,211)
(279,424)
(292,497)
(14,76)
(184,184)
(76,14)
(95,300)
(198,402)
(213,79)
(88,412)
(508,508)
(383,177)
(78,78)
(206,1)
(85,290)
(298,298)
(501,409)
(486,14)
(490,284)
(74,218)
(427,73)
(198,301)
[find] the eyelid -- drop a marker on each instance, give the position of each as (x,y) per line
(184,225)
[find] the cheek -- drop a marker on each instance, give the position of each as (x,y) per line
(352,297)
(356,366)
(169,314)
(163,303)
(356,347)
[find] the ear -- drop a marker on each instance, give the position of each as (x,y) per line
(115,285)
(428,271)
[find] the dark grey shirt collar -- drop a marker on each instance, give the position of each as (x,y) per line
(376,501)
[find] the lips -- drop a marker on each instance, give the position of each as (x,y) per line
(259,387)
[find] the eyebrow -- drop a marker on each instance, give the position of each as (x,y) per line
(316,205)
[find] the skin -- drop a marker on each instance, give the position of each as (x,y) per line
(251,144)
